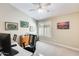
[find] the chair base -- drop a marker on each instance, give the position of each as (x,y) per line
(31,49)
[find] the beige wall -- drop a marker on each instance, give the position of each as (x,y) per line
(11,14)
(69,37)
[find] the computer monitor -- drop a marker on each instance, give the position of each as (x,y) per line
(5,43)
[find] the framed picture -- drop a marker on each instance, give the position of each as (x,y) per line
(31,28)
(11,26)
(63,25)
(24,24)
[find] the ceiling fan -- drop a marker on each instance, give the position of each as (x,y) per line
(40,6)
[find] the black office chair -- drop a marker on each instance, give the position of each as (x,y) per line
(32,47)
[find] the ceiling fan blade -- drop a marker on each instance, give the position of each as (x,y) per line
(40,6)
(32,9)
(48,4)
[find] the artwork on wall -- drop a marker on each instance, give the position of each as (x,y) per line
(11,26)
(31,28)
(63,25)
(24,24)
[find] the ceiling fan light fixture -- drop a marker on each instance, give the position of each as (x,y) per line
(40,10)
(41,7)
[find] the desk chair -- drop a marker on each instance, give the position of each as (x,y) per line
(32,43)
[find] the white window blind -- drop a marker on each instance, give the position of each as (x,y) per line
(45,30)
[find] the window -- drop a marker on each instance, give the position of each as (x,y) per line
(45,30)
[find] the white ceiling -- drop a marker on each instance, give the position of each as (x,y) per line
(56,9)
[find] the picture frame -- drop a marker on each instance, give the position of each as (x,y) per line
(63,25)
(11,26)
(24,24)
(31,28)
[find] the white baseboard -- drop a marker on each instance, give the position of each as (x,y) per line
(66,46)
(62,45)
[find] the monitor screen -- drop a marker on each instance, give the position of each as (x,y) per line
(5,42)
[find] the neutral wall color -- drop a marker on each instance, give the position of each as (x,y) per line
(69,37)
(10,14)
